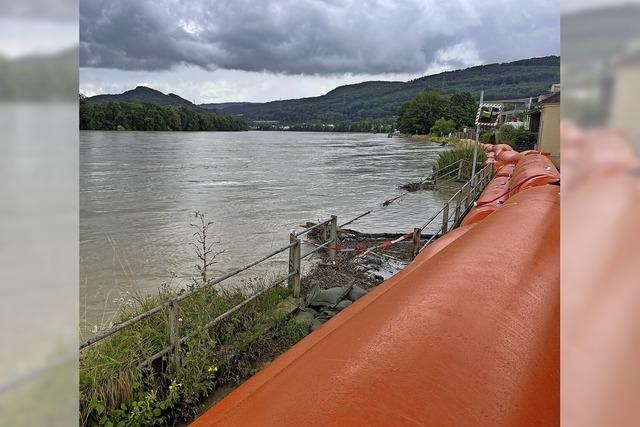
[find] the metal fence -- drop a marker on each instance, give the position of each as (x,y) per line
(470,134)
(453,210)
(448,217)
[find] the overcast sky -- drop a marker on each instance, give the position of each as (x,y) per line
(250,50)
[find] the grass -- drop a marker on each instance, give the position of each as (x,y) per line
(116,390)
(447,159)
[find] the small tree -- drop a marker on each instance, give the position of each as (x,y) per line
(204,250)
(443,127)
(506,134)
(462,109)
(419,114)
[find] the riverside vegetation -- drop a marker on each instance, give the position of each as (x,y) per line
(118,389)
(430,112)
(460,151)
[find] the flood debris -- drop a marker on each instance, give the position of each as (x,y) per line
(412,187)
(333,285)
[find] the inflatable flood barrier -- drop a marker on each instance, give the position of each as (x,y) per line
(431,346)
(491,199)
(466,335)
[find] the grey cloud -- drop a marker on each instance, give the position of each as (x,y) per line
(310,36)
(54,10)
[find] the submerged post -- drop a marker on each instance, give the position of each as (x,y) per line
(445,219)
(174,332)
(294,265)
(333,237)
(417,234)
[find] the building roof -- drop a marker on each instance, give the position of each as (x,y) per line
(552,98)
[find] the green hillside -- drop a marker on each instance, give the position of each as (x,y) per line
(142,94)
(380,100)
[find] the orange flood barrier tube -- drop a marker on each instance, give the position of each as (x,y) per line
(498,148)
(532,170)
(491,199)
(442,242)
(469,337)
(505,170)
(508,156)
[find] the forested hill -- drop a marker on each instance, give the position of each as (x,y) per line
(142,94)
(380,99)
(148,116)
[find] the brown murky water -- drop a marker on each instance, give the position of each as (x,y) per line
(138,192)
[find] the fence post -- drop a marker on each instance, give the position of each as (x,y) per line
(174,332)
(294,265)
(445,219)
(460,169)
(456,215)
(333,236)
(417,234)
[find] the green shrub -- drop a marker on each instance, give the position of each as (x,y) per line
(116,391)
(506,134)
(442,127)
(488,137)
(525,139)
(146,409)
(518,138)
(447,160)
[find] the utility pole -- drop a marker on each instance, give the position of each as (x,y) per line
(475,146)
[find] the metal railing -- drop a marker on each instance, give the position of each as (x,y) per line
(459,203)
(450,172)
(447,173)
(470,134)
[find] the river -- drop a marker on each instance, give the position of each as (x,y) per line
(138,192)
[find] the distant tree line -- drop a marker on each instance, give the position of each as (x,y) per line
(374,126)
(154,117)
(430,112)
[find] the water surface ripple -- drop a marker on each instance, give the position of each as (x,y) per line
(138,192)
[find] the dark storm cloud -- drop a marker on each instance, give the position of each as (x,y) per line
(312,36)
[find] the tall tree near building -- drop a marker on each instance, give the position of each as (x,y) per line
(462,109)
(420,114)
